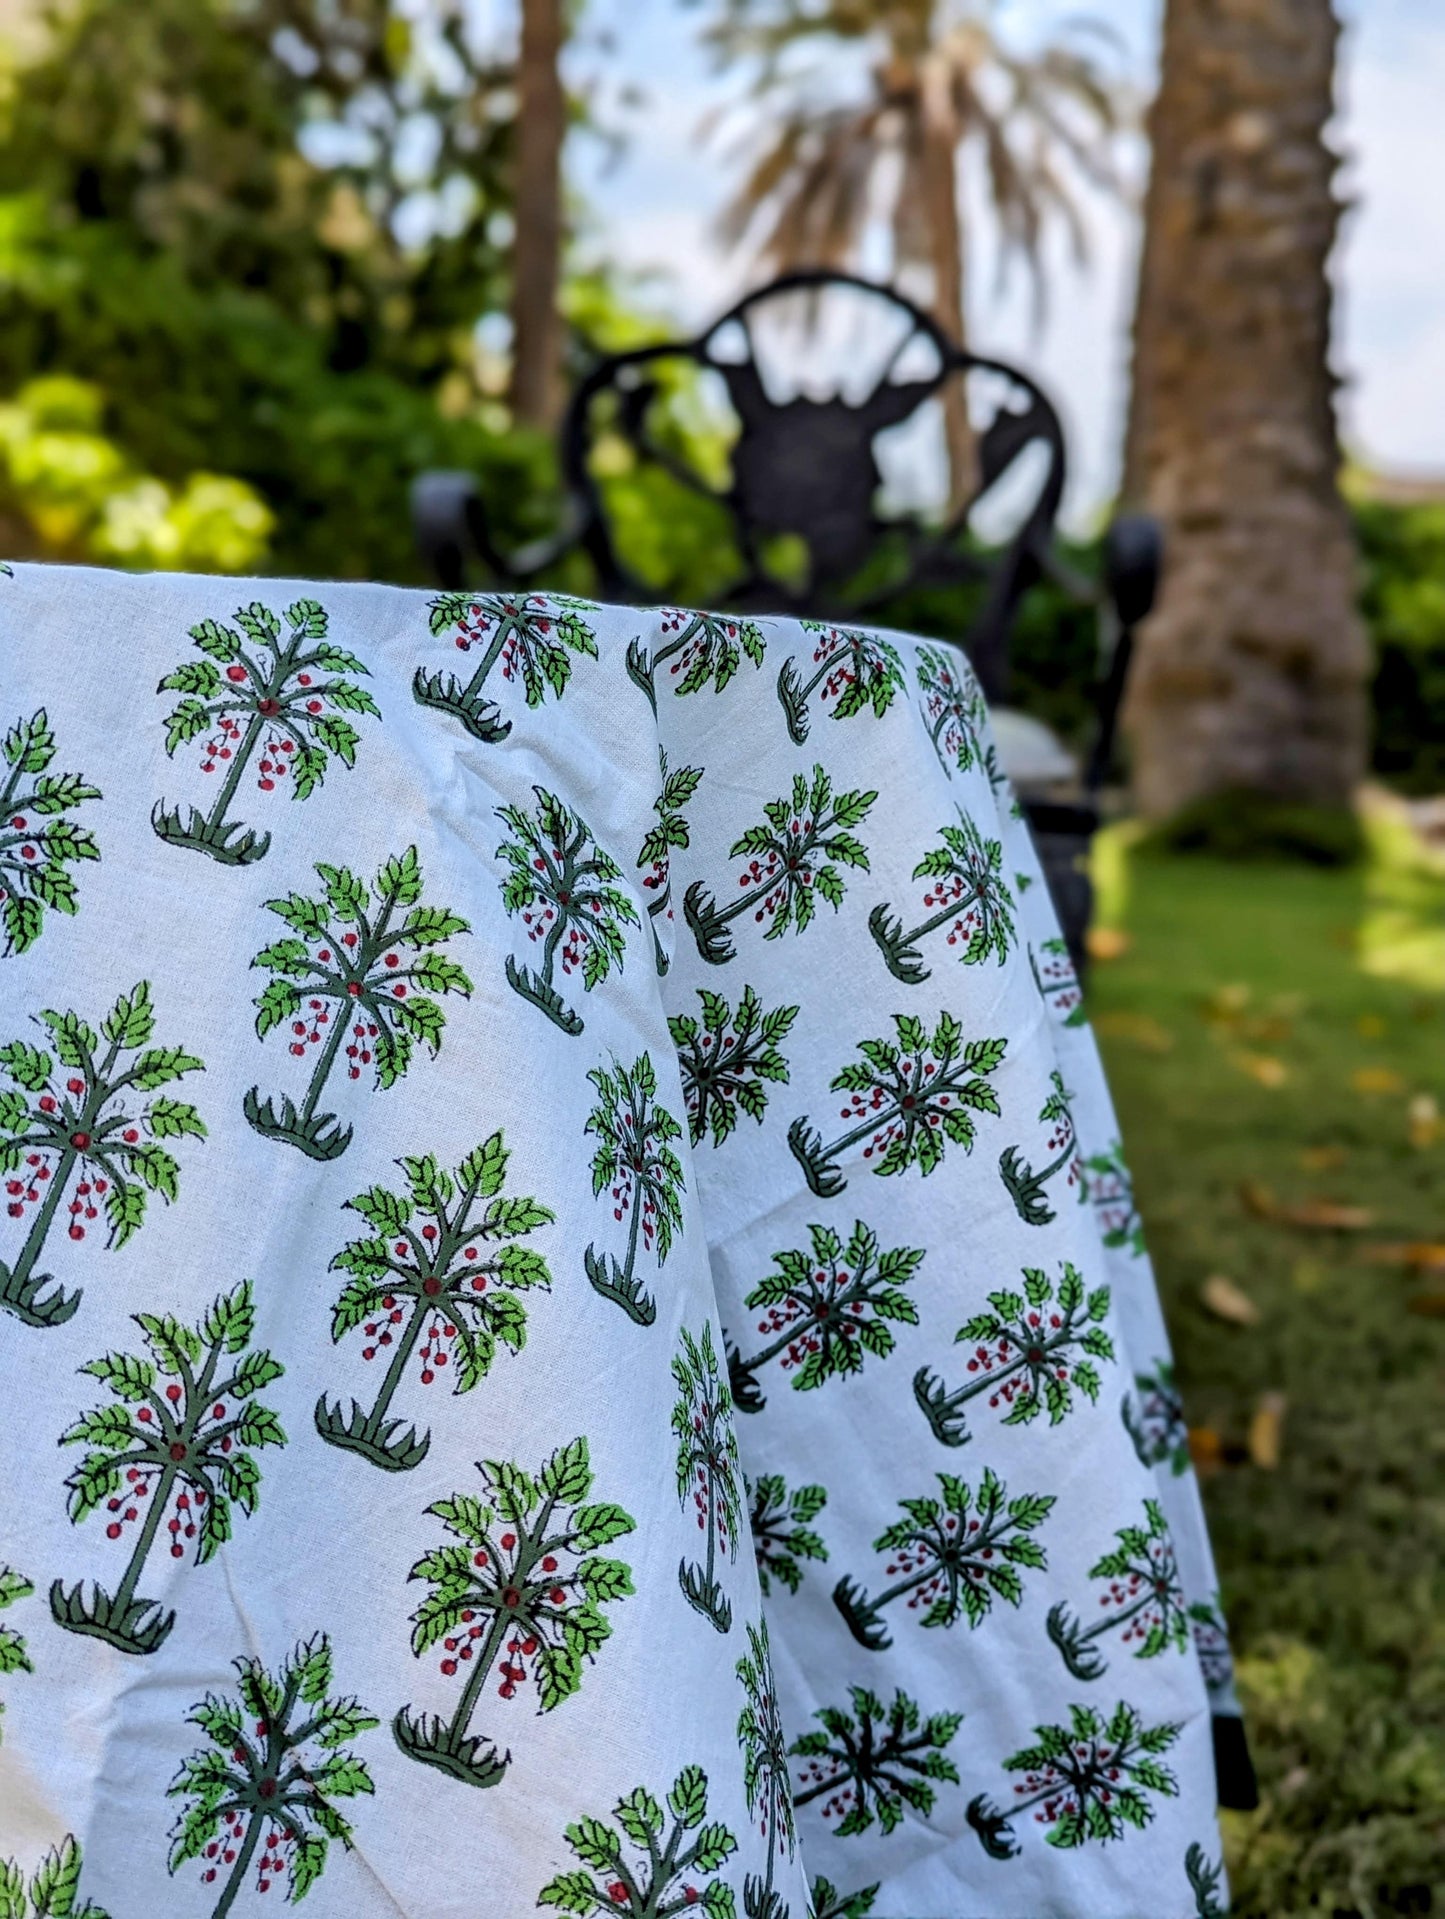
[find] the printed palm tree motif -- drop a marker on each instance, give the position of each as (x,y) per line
(53,1889)
(37,842)
(525,1586)
(871,1763)
(655,858)
(854,670)
(1057,981)
(1087,1780)
(1110,1191)
(13,1655)
(707,1470)
(950,1561)
(642,1175)
(782,1532)
(276,1764)
(530,635)
(725,1058)
(790,865)
(829,1903)
(697,648)
(965,893)
(442,1260)
(907,1100)
(1025,1187)
(826,1310)
(1026,1356)
(72,1112)
(349,977)
(1211,1643)
(1206,1882)
(177,1437)
(285,696)
(1155,1419)
(765,1773)
(561,882)
(670,1860)
(1143,1595)
(955,713)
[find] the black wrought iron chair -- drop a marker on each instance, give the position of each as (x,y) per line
(800,507)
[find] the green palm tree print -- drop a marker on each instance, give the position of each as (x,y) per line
(668,1863)
(698,649)
(1088,1780)
(765,1773)
(442,1259)
(37,842)
(855,671)
(53,1890)
(636,1166)
(793,861)
(708,1474)
(355,973)
(869,1764)
(531,637)
(907,1101)
(72,1114)
(176,1437)
(949,1559)
(726,1058)
(283,695)
(270,1776)
(563,887)
(1142,1600)
(1030,1351)
(966,893)
(519,1594)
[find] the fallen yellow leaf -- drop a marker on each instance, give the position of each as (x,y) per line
(1257,1199)
(1206,1449)
(1144,1031)
(1230,999)
(1266,1430)
(1227,1301)
(1322,1159)
(1426,1305)
(1425,1126)
(1326,1215)
(1421,1255)
(1376,1079)
(1107,942)
(1263,1067)
(1370,1026)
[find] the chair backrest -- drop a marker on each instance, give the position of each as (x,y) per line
(803,470)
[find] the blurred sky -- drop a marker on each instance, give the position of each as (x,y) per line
(655,209)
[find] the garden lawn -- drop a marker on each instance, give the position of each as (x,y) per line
(1266,1031)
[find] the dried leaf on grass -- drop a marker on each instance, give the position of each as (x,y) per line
(1227,1301)
(1323,1159)
(1424,1124)
(1145,1032)
(1266,1430)
(1372,1080)
(1264,1068)
(1107,942)
(1313,1214)
(1420,1255)
(1206,1450)
(1426,1305)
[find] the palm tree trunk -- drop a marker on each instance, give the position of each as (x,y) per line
(541,127)
(941,134)
(1252,674)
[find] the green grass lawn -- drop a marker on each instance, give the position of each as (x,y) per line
(1268,1027)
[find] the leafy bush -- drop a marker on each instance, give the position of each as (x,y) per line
(1403,549)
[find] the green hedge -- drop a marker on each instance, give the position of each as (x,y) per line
(1403,549)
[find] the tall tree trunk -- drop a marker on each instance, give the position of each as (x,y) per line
(940,174)
(536,388)
(1252,674)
